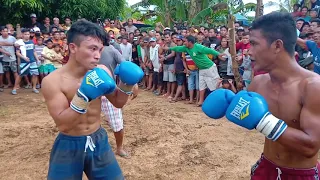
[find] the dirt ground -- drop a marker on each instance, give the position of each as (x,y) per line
(166,141)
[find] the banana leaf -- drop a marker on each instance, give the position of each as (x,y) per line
(208,12)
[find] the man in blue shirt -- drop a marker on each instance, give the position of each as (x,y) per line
(314,48)
(28,61)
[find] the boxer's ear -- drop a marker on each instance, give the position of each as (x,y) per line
(278,46)
(72,48)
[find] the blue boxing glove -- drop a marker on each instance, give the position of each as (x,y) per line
(95,83)
(250,110)
(217,103)
(129,74)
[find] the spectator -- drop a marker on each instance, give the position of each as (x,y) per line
(304,14)
(299,23)
(56,23)
(57,56)
(28,61)
(34,22)
(47,66)
(179,72)
(113,28)
(313,13)
(226,84)
(67,24)
(154,58)
(126,49)
(208,73)
(9,60)
(314,24)
(123,32)
(223,62)
(296,12)
(168,66)
(46,27)
(313,47)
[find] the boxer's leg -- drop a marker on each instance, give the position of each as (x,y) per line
(101,162)
(67,158)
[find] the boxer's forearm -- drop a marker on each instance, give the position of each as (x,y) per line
(67,119)
(118,99)
(298,141)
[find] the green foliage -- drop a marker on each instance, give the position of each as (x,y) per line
(18,11)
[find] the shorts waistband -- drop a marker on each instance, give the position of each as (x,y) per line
(291,171)
(84,137)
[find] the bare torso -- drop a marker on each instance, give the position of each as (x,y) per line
(88,122)
(285,102)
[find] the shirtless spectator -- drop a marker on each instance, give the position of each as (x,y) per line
(73,98)
(292,132)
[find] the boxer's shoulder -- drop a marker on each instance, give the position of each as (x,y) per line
(258,81)
(105,68)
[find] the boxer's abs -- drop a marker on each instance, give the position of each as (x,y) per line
(283,157)
(89,122)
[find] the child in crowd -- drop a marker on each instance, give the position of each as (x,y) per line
(58,58)
(39,48)
(48,55)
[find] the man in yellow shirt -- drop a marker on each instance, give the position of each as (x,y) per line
(113,28)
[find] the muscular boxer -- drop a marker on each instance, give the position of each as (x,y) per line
(73,98)
(282,104)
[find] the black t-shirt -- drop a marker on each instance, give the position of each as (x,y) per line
(169,60)
(214,42)
(134,53)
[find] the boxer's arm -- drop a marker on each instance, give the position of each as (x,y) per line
(306,141)
(58,105)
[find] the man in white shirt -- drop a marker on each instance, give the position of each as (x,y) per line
(126,49)
(9,57)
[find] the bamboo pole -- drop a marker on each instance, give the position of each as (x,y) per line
(232,50)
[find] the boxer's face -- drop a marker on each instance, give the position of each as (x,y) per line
(260,50)
(87,53)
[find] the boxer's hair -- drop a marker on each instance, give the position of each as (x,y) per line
(84,28)
(275,26)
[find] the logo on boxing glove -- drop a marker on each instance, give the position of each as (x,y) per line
(93,79)
(242,105)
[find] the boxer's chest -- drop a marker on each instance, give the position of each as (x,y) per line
(70,88)
(284,103)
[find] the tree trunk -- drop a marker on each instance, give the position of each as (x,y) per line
(167,14)
(259,8)
(195,8)
(232,50)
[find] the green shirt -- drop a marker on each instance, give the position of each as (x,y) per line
(198,54)
(139,50)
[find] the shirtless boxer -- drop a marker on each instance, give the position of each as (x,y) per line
(73,97)
(283,104)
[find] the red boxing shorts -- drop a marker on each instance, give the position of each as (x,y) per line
(264,169)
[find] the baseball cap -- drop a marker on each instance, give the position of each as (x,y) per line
(180,37)
(146,39)
(135,39)
(153,39)
(33,15)
(36,29)
(167,28)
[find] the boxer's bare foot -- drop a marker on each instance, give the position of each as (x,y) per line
(122,153)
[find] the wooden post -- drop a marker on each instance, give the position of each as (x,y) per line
(232,50)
